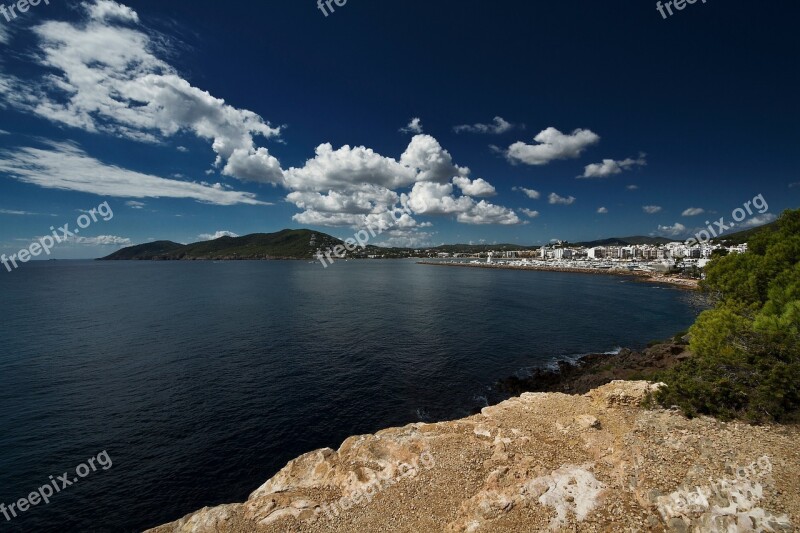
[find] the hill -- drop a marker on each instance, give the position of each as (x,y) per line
(742,237)
(148,251)
(626,241)
(286,244)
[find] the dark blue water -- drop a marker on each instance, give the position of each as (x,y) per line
(201,380)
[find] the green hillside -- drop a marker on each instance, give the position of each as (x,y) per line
(151,250)
(286,244)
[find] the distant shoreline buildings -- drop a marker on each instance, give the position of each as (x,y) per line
(645,257)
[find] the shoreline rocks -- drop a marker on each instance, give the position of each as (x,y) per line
(537,462)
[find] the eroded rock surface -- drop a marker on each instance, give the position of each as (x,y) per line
(540,462)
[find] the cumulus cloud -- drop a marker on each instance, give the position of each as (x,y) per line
(103,74)
(430,161)
(555,199)
(65,166)
(478,188)
(551,145)
(498,126)
(348,167)
(415,126)
(135,205)
(693,212)
(438,199)
(215,236)
(357,187)
(602,210)
(530,213)
(610,167)
(530,193)
(486,213)
(632,187)
(676,230)
(110,10)
(759,220)
(652,209)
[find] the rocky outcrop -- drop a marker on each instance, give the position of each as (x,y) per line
(539,462)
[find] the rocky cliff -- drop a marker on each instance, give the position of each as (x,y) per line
(542,461)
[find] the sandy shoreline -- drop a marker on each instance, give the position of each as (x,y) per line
(644,277)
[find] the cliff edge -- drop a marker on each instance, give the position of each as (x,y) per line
(542,461)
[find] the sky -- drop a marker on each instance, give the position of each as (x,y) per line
(454,121)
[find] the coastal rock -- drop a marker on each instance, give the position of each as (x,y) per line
(538,462)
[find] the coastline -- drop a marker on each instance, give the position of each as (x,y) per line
(643,277)
(597,369)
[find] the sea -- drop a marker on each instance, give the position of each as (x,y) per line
(200,380)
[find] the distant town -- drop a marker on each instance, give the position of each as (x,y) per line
(675,257)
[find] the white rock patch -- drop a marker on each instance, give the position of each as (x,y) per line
(570,489)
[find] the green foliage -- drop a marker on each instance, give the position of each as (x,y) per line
(746,362)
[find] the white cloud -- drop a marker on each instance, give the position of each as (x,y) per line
(371,199)
(110,10)
(610,167)
(135,205)
(530,193)
(103,240)
(215,236)
(437,199)
(795,184)
(182,149)
(555,199)
(67,167)
(552,145)
(431,162)
(103,75)
(347,168)
(356,187)
(497,127)
(478,188)
(759,220)
(632,187)
(415,126)
(651,209)
(693,212)
(4,34)
(486,213)
(676,230)
(530,213)
(20,213)
(602,211)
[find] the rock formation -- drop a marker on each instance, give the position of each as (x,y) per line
(539,462)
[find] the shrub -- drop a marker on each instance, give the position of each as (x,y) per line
(746,361)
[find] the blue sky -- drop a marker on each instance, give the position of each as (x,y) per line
(534,120)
